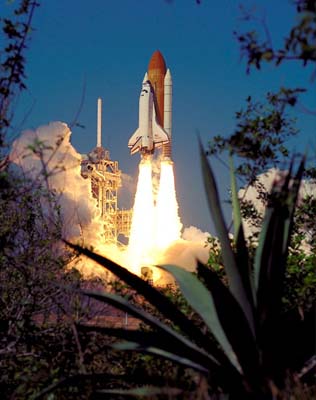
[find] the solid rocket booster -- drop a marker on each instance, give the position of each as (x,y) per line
(161,80)
(166,149)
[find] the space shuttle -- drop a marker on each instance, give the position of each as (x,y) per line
(150,135)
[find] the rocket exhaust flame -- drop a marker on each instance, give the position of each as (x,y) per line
(141,242)
(168,225)
(154,228)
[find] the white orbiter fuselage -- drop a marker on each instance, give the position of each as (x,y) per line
(149,135)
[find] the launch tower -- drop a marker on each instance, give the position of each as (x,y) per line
(105,178)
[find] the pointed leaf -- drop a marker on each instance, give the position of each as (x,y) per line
(169,334)
(96,378)
(242,257)
(161,353)
(271,255)
(292,203)
(145,391)
(263,237)
(234,278)
(234,323)
(202,302)
(157,299)
(149,339)
(235,201)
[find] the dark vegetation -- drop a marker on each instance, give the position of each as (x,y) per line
(244,325)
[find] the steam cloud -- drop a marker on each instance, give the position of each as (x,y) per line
(47,156)
(267,179)
(48,149)
(54,156)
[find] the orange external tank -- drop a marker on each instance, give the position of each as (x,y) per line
(156,74)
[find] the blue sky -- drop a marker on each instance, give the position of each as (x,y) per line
(106,45)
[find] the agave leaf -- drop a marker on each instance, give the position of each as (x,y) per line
(145,391)
(157,299)
(224,373)
(233,274)
(260,251)
(80,379)
(271,255)
(264,234)
(292,204)
(161,353)
(149,339)
(272,259)
(235,202)
(168,333)
(202,302)
(271,265)
(242,257)
(234,323)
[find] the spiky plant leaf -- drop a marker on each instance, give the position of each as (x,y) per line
(235,201)
(293,196)
(157,299)
(168,333)
(271,265)
(260,251)
(231,269)
(234,323)
(271,254)
(242,256)
(172,356)
(264,242)
(201,300)
(149,339)
(145,391)
(96,379)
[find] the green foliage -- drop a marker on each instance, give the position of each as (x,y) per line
(16,31)
(32,270)
(261,133)
(299,44)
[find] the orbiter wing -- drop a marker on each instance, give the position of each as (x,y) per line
(135,142)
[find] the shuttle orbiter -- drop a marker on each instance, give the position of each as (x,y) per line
(149,135)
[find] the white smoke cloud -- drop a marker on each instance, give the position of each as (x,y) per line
(46,155)
(185,253)
(56,163)
(126,191)
(267,179)
(193,234)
